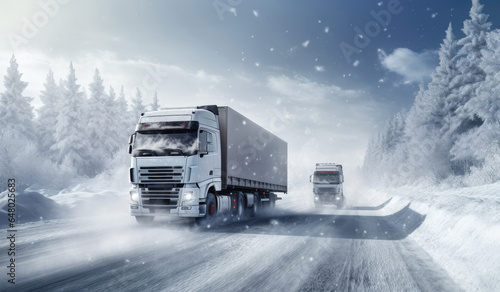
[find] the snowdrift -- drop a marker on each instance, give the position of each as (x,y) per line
(461,230)
(31,206)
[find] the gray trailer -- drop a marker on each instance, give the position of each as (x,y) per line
(202,161)
(252,157)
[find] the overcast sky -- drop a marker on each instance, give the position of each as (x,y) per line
(293,66)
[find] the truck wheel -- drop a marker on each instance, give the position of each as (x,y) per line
(241,206)
(341,204)
(211,212)
(145,220)
(256,207)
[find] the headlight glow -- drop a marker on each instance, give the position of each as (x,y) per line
(188,197)
(134,195)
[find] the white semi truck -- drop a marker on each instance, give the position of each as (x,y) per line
(328,188)
(201,161)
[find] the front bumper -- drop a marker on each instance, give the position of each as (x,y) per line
(328,199)
(145,207)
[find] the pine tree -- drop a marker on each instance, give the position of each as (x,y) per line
(16,112)
(72,146)
(155,105)
(428,147)
(117,130)
(137,106)
(47,114)
(484,140)
(386,150)
(129,119)
(100,124)
(16,126)
(464,118)
(442,83)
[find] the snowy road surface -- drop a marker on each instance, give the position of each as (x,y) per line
(310,250)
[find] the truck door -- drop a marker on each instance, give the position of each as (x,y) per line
(209,163)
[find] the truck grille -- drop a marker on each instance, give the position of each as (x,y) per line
(159,196)
(327,191)
(160,174)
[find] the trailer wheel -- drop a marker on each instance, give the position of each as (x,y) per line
(241,206)
(256,206)
(145,220)
(211,212)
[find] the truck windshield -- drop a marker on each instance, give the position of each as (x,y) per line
(165,143)
(332,177)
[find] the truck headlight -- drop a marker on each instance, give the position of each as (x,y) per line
(188,197)
(134,195)
(316,198)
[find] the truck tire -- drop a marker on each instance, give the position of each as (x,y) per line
(211,212)
(145,220)
(256,207)
(341,205)
(240,213)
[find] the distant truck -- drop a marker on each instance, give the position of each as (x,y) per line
(201,161)
(328,188)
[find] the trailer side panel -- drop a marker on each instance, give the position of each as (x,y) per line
(252,157)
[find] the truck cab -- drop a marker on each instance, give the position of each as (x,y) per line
(175,159)
(328,188)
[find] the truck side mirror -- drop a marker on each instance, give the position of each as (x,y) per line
(203,143)
(311,178)
(210,143)
(130,141)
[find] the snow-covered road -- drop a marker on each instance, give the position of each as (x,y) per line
(360,249)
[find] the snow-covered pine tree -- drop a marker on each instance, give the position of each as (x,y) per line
(137,106)
(463,115)
(116,121)
(72,147)
(483,143)
(100,124)
(428,148)
(396,151)
(129,118)
(386,151)
(16,124)
(47,113)
(373,159)
(155,105)
(16,112)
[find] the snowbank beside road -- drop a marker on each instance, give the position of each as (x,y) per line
(98,196)
(29,207)
(461,230)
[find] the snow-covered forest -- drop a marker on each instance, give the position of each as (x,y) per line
(73,134)
(451,134)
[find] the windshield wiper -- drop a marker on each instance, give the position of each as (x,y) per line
(172,151)
(144,152)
